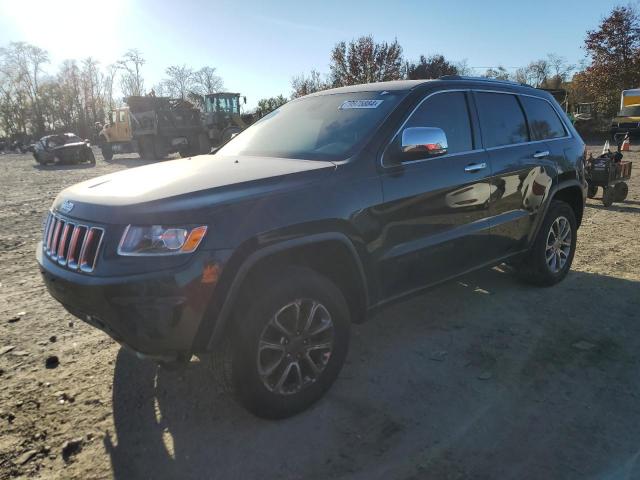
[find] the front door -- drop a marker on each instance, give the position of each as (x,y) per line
(434,220)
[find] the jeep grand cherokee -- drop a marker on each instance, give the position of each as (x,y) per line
(326,209)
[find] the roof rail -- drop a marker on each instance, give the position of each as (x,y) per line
(483,79)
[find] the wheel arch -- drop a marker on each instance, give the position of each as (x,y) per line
(572,194)
(330,254)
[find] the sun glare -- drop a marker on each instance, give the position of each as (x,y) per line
(70,28)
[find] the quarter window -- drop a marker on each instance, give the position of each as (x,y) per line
(501,119)
(449,112)
(544,122)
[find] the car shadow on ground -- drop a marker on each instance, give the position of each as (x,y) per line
(482,377)
(72,166)
(617,207)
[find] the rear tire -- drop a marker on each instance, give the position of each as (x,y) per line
(146,148)
(551,255)
(592,191)
(620,192)
(107,151)
(204,147)
(608,196)
(282,362)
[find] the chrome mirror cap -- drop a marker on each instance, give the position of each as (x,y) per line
(428,141)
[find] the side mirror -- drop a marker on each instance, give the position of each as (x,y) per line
(423,142)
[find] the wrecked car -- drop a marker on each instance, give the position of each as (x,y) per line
(65,148)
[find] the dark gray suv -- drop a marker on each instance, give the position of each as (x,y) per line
(323,211)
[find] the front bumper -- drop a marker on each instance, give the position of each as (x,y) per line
(157,314)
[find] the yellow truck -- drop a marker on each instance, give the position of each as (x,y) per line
(628,118)
(154,127)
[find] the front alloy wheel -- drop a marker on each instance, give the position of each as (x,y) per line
(288,343)
(295,346)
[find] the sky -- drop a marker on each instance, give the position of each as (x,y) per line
(258,46)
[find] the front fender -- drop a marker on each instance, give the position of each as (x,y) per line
(237,269)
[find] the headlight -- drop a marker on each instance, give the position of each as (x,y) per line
(160,240)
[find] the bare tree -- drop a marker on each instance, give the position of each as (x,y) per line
(497,73)
(179,81)
(560,70)
(109,79)
(132,83)
(23,62)
(206,81)
(463,68)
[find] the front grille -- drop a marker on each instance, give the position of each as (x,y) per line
(73,245)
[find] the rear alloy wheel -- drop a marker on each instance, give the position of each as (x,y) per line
(288,344)
(551,255)
(558,244)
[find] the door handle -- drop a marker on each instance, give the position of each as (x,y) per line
(542,154)
(474,167)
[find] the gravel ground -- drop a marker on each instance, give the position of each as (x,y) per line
(479,378)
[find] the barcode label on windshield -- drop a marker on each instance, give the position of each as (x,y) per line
(351,104)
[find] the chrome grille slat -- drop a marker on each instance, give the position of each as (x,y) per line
(56,237)
(71,244)
(62,244)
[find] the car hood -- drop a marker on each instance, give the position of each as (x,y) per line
(174,178)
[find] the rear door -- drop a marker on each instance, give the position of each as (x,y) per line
(435,214)
(520,175)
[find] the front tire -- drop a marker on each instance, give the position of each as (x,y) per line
(90,157)
(289,342)
(551,255)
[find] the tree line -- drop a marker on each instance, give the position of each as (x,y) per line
(81,93)
(611,64)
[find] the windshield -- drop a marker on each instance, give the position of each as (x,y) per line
(225,104)
(325,127)
(630,111)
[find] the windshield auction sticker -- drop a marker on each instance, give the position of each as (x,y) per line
(351,104)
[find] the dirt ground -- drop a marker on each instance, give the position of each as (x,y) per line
(479,378)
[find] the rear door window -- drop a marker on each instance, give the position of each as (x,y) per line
(544,122)
(501,119)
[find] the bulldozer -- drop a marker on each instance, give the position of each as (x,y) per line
(154,127)
(222,118)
